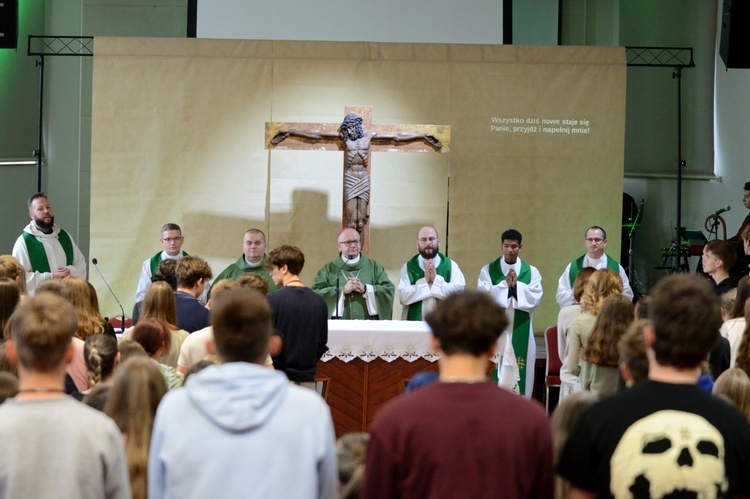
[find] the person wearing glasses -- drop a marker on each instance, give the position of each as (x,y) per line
(596,241)
(252,261)
(353,286)
(171,240)
(428,277)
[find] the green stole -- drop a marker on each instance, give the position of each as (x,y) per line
(577,265)
(521,321)
(37,255)
(156,260)
(415,273)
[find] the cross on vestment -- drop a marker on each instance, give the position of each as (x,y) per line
(357,137)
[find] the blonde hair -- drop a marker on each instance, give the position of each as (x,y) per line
(79,295)
(136,392)
(602,283)
(734,383)
(160,305)
(11,267)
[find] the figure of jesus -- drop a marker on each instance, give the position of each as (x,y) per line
(357,145)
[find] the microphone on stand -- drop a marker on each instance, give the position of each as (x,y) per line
(122,324)
(338,274)
(722,210)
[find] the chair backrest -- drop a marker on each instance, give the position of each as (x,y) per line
(553,358)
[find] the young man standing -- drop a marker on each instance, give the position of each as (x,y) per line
(517,287)
(240,429)
(193,274)
(461,436)
(45,250)
(595,240)
(300,316)
(664,436)
(171,240)
(718,257)
(52,445)
(428,277)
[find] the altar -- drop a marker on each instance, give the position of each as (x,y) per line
(370,362)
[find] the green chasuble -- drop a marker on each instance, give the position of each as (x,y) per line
(355,307)
(156,260)
(37,255)
(241,267)
(577,265)
(521,320)
(415,273)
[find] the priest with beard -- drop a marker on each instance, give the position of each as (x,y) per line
(44,249)
(353,286)
(428,277)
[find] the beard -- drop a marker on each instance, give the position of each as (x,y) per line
(44,226)
(429,253)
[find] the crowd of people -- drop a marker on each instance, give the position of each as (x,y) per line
(212,391)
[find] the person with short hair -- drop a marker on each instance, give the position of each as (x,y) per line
(300,316)
(252,261)
(633,363)
(428,277)
(664,435)
(517,287)
(718,257)
(45,250)
(364,289)
(52,445)
(171,240)
(461,436)
(193,275)
(595,240)
(239,415)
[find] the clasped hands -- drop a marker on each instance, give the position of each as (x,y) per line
(353,284)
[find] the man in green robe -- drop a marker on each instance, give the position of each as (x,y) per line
(252,261)
(353,286)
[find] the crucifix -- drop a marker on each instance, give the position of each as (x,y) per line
(357,137)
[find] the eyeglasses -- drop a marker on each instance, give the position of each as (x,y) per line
(350,243)
(594,239)
(173,239)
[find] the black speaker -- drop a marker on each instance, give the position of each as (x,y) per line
(8,24)
(735,34)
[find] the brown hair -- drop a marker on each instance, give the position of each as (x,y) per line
(159,304)
(601,284)
(632,348)
(152,334)
(723,251)
(579,285)
(743,293)
(190,269)
(686,318)
(467,322)
(253,281)
(9,298)
(42,328)
(613,319)
(135,395)
(291,256)
(11,267)
(100,352)
(242,322)
(78,293)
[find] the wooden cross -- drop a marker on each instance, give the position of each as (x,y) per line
(388,138)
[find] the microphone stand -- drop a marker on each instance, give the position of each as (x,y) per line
(122,310)
(338,272)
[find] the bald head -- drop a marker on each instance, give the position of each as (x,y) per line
(428,242)
(349,243)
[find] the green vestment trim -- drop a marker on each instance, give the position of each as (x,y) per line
(415,273)
(521,321)
(156,260)
(577,265)
(37,255)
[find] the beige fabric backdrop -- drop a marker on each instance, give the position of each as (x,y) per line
(178,136)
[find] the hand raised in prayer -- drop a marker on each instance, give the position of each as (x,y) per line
(354,285)
(429,271)
(511,278)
